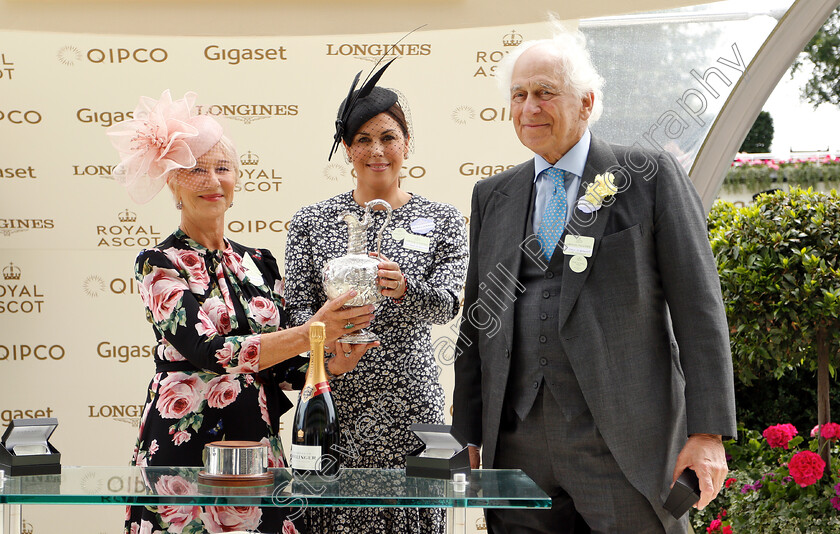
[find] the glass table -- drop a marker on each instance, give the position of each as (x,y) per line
(486,488)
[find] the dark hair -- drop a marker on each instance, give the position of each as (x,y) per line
(396,112)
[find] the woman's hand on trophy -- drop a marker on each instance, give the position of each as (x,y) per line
(390,277)
(347,356)
(341,320)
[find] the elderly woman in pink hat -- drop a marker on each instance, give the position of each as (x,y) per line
(224,353)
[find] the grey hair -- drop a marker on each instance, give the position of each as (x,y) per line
(228,149)
(574,66)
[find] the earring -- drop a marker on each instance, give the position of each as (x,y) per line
(230,205)
(179,205)
(347,158)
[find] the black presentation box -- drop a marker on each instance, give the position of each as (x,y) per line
(26,449)
(443,454)
(684,494)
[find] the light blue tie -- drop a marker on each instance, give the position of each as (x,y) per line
(554,218)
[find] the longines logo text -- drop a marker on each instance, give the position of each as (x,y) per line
(128,233)
(18,116)
(19,353)
(70,55)
(487,60)
(12,226)
(248,113)
(377,51)
(19,172)
(482,171)
(102,118)
(104,171)
(16,296)
(234,56)
(6,416)
(95,285)
(126,413)
(123,353)
(254,177)
(7,67)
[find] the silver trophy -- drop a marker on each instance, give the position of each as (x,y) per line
(356,270)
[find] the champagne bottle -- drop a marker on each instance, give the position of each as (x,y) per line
(315,431)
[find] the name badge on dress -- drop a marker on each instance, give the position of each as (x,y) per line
(411,241)
(579,248)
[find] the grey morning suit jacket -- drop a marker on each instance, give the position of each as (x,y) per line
(649,377)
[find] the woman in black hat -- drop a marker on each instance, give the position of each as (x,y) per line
(422,270)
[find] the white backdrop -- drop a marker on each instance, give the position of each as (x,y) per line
(74,342)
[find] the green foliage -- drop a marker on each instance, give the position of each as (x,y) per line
(760,136)
(761,498)
(822,54)
(778,266)
(760,175)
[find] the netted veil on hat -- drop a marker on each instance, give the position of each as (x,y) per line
(163,135)
(363,104)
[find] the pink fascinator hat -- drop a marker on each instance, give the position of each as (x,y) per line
(163,135)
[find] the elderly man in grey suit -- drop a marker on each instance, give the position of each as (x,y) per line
(595,355)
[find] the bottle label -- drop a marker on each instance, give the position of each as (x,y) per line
(309,391)
(306,456)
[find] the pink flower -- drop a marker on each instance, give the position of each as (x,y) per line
(161,291)
(289,527)
(152,143)
(222,391)
(249,356)
(261,400)
(779,435)
(806,468)
(835,502)
(175,485)
(178,516)
(227,518)
(191,262)
(171,354)
(829,431)
(224,354)
(182,436)
(217,311)
(179,395)
(714,526)
(145,527)
(153,448)
(264,311)
(204,326)
(135,528)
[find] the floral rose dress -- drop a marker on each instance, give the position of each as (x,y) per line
(207,308)
(395,384)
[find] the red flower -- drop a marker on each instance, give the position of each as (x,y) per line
(727,530)
(779,435)
(728,482)
(806,468)
(714,526)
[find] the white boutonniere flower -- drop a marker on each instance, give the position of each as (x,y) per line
(599,190)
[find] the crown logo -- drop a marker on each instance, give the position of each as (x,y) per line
(480,524)
(10,272)
(26,528)
(512,39)
(249,159)
(127,216)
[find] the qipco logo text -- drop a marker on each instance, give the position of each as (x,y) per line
(127,55)
(417,171)
(16,116)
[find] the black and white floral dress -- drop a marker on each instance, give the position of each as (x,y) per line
(208,309)
(395,384)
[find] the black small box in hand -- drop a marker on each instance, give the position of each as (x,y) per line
(26,450)
(684,494)
(442,454)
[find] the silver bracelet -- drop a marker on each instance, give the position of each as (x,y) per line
(330,376)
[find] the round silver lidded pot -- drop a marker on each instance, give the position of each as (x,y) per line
(236,463)
(356,269)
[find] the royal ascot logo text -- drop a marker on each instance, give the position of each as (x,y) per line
(13,226)
(376,51)
(255,176)
(102,118)
(123,353)
(71,55)
(248,113)
(18,172)
(8,414)
(127,233)
(7,67)
(95,286)
(465,114)
(20,116)
(18,295)
(487,60)
(235,56)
